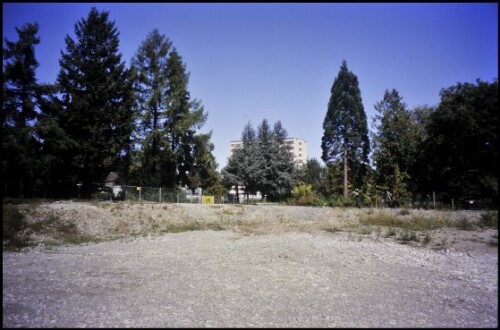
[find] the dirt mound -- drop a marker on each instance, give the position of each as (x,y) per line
(77,222)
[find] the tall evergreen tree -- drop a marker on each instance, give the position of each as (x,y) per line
(277,167)
(203,173)
(96,90)
(150,87)
(345,137)
(250,160)
(394,143)
(53,171)
(244,167)
(184,117)
(20,89)
(263,164)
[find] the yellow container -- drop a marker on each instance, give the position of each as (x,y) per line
(207,199)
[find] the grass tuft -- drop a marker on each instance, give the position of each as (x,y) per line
(464,224)
(489,220)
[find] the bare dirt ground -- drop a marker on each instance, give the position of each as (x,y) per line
(247,266)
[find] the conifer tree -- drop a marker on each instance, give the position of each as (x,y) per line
(277,168)
(395,144)
(150,87)
(345,137)
(184,117)
(19,110)
(96,90)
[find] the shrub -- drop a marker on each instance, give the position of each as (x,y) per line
(44,224)
(407,235)
(13,221)
(427,238)
(464,224)
(391,231)
(404,212)
(13,226)
(382,219)
(489,220)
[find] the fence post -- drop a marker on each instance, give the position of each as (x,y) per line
(160,196)
(434,198)
(177,198)
(452,204)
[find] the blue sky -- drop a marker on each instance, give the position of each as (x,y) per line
(278,61)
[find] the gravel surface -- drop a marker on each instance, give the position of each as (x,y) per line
(229,279)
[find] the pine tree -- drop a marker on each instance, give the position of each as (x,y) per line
(263,164)
(19,110)
(150,87)
(277,168)
(184,117)
(395,143)
(96,90)
(345,137)
(250,160)
(55,176)
(244,167)
(203,173)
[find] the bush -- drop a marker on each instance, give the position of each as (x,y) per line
(13,221)
(382,219)
(13,226)
(407,235)
(304,195)
(464,224)
(489,220)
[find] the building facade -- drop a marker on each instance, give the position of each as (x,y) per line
(298,149)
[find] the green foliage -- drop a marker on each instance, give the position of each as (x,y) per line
(413,222)
(13,222)
(464,224)
(303,194)
(193,226)
(20,90)
(96,96)
(264,163)
(460,153)
(394,143)
(345,137)
(391,231)
(407,235)
(489,220)
(302,190)
(312,174)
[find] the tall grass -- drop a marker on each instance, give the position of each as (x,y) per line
(489,220)
(414,222)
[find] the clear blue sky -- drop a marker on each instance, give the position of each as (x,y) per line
(278,61)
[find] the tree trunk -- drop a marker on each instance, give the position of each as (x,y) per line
(346,192)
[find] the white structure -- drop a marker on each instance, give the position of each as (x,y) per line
(298,149)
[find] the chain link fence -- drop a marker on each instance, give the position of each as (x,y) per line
(160,195)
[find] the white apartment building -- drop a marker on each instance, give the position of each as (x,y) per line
(298,149)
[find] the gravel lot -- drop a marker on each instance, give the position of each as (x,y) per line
(229,278)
